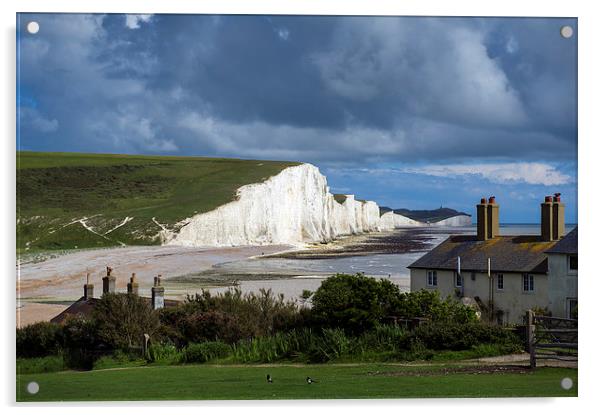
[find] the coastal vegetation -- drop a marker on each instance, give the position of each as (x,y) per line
(353,319)
(362,338)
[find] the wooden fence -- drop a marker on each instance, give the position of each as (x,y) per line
(551,338)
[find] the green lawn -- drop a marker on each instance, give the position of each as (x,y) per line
(56,189)
(249,382)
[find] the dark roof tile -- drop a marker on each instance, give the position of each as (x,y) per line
(567,245)
(507,253)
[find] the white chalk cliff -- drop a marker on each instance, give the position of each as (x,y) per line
(391,220)
(292,207)
(458,220)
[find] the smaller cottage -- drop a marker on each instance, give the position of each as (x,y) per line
(85,305)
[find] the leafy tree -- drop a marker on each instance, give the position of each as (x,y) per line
(123,319)
(354,302)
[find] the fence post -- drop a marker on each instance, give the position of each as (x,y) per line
(531,339)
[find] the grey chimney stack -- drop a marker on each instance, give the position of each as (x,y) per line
(108,282)
(133,285)
(158,294)
(88,288)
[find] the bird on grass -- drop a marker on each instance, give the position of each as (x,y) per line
(269,378)
(310,380)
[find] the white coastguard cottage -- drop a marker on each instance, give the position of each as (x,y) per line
(505,275)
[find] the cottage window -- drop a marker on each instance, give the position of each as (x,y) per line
(473,276)
(573,262)
(459,279)
(431,278)
(500,281)
(528,283)
(571,308)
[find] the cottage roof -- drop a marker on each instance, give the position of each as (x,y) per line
(507,253)
(567,245)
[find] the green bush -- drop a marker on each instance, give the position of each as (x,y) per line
(255,314)
(331,345)
(428,304)
(453,336)
(267,349)
(39,339)
(204,352)
(44,364)
(165,354)
(355,303)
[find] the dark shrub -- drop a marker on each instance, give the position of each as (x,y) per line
(354,302)
(204,352)
(39,339)
(210,326)
(229,317)
(123,319)
(428,304)
(82,343)
(453,336)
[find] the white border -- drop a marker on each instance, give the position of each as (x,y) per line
(590,201)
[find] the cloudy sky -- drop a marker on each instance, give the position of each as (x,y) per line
(410,112)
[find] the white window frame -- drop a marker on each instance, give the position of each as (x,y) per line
(529,282)
(431,278)
(498,280)
(460,277)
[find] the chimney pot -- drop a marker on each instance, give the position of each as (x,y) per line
(157,295)
(483,200)
(88,291)
(548,199)
(132,286)
(108,282)
(492,199)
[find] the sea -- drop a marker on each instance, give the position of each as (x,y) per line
(308,274)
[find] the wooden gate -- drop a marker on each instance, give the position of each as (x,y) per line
(551,338)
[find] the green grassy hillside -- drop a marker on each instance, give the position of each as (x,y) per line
(74,200)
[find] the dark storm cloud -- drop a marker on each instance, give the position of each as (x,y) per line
(318,89)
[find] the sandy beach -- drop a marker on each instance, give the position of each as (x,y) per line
(43,286)
(46,287)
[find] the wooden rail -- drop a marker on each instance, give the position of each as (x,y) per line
(554,337)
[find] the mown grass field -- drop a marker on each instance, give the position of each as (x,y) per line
(54,190)
(205,382)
